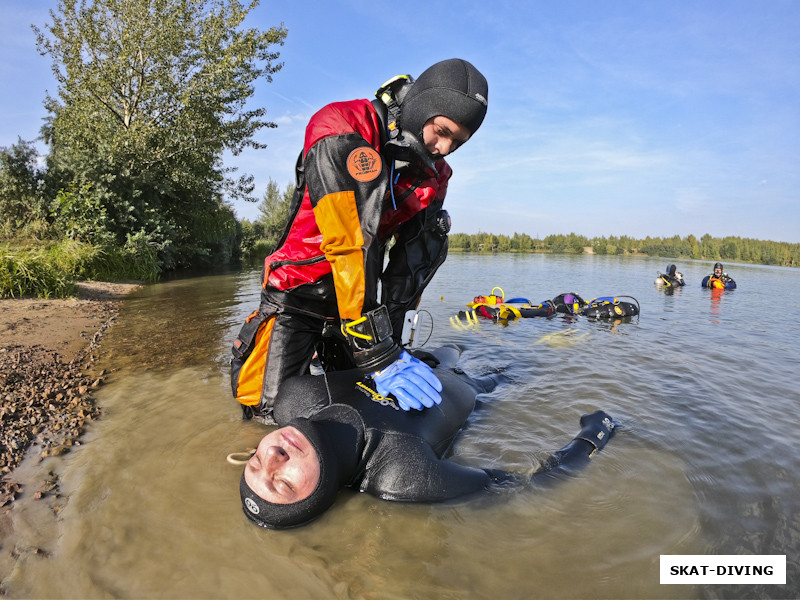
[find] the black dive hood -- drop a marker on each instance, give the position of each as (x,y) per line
(452,88)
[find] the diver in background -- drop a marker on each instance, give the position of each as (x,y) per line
(672,278)
(719,279)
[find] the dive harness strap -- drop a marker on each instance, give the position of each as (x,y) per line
(370,339)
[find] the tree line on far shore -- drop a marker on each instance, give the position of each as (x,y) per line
(260,237)
(729,248)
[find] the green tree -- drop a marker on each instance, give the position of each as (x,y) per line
(21,199)
(151,93)
(503,243)
(574,244)
(523,242)
(459,241)
(274,208)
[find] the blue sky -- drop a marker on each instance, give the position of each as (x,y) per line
(634,118)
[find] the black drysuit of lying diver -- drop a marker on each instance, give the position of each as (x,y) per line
(365,442)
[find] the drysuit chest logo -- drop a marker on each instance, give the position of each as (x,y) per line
(375,396)
(364,164)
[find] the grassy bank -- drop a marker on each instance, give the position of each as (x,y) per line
(50,269)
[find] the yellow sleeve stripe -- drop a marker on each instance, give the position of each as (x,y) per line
(343,245)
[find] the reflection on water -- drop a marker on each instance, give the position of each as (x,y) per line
(705,461)
(716,296)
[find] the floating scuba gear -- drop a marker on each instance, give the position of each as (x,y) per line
(492,298)
(611,307)
(496,308)
(569,303)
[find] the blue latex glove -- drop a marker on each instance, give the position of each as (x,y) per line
(411,381)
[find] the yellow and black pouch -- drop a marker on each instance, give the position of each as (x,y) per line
(249,355)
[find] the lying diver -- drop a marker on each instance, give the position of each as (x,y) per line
(338,431)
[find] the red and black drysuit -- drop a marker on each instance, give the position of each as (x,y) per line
(330,258)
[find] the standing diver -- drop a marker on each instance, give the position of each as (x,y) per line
(719,279)
(338,431)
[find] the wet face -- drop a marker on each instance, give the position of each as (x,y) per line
(284,468)
(442,135)
(717,271)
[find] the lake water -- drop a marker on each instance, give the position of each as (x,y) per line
(706,460)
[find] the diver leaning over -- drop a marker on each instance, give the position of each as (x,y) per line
(369,172)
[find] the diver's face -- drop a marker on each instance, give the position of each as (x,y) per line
(441,135)
(284,468)
(717,271)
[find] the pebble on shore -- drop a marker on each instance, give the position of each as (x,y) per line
(44,402)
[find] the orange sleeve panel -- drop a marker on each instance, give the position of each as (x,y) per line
(343,245)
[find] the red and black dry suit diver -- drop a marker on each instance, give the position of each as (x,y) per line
(368,172)
(365,442)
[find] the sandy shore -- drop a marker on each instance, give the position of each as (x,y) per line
(47,374)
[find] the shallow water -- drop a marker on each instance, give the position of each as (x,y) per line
(706,460)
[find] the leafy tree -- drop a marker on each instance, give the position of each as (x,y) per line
(575,243)
(151,93)
(274,208)
(80,215)
(459,241)
(522,242)
(21,199)
(503,243)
